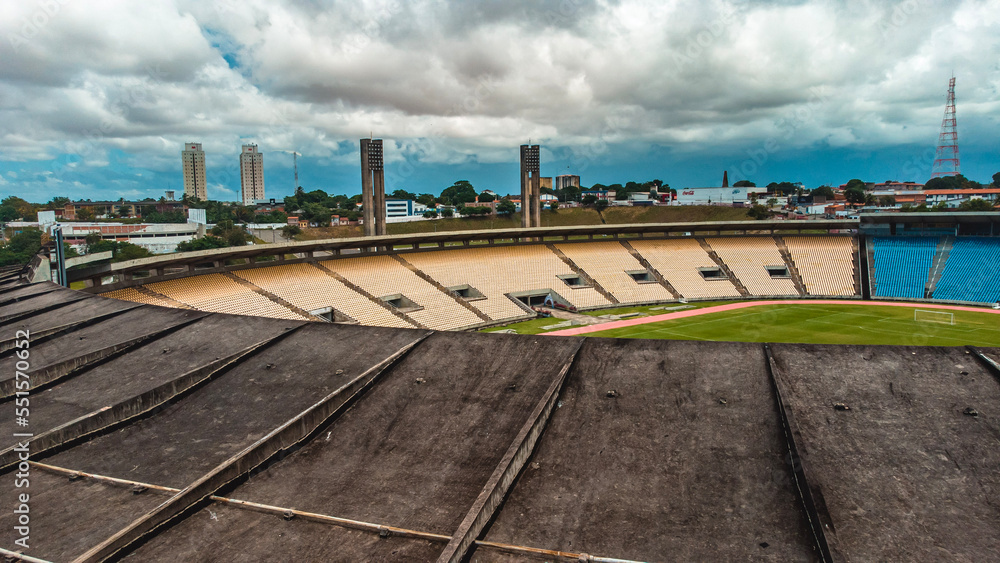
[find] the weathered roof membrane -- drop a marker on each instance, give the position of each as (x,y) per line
(176,435)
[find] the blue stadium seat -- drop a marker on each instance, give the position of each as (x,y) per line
(902,264)
(972,272)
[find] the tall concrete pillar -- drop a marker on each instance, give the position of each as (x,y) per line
(373,186)
(530,187)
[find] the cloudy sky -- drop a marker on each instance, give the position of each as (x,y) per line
(97,97)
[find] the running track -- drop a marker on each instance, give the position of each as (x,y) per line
(744,304)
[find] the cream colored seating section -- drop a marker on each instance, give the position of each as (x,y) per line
(134,295)
(496,271)
(747,258)
(825,264)
(383,275)
(607,263)
(678,261)
(310,288)
(219,294)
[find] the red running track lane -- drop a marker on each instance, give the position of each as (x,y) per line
(743,305)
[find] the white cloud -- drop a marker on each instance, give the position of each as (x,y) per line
(455,82)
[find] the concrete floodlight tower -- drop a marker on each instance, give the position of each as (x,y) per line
(946,158)
(531,215)
(373,186)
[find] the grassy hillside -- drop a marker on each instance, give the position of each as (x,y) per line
(559,218)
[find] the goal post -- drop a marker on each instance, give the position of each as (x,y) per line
(929,316)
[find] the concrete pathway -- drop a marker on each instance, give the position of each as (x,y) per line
(576,317)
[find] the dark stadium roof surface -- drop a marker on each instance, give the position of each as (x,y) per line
(177,435)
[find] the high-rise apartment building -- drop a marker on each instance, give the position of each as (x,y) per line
(252,174)
(193,165)
(563,181)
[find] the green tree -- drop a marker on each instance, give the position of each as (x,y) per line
(204,243)
(430,214)
(486,197)
(21,247)
(316,213)
(589,199)
(506,207)
(824,191)
(17,208)
(290,231)
(771,202)
(601,205)
(460,192)
(996,180)
(85,214)
(855,195)
(447,212)
(887,201)
(855,183)
(976,205)
(474,211)
(759,212)
(58,202)
(744,184)
(554,206)
(127,251)
(403,194)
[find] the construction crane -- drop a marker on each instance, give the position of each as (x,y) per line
(295,166)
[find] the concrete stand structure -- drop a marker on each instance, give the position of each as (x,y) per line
(373,186)
(530,187)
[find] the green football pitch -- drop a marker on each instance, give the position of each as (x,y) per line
(825,324)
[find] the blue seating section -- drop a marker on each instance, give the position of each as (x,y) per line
(902,264)
(972,272)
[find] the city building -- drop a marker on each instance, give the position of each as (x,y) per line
(954,198)
(193,166)
(712,196)
(121,208)
(563,181)
(252,174)
(606,195)
(399,207)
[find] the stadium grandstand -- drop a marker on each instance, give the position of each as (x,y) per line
(482,282)
(232,404)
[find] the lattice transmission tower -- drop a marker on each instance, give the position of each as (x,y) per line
(946,159)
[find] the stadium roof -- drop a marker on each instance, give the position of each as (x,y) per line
(166,435)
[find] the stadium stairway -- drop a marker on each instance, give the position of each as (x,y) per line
(649,267)
(157,295)
(367,295)
(722,265)
(423,275)
(793,271)
(584,275)
(857,266)
(260,291)
(940,259)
